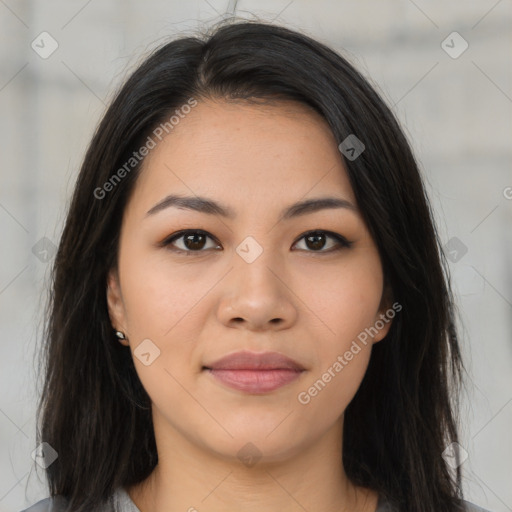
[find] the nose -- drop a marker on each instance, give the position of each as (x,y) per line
(257,296)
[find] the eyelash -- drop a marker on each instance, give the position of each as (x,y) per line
(343,242)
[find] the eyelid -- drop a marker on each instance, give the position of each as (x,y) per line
(178,234)
(343,243)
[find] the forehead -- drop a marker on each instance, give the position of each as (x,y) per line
(244,153)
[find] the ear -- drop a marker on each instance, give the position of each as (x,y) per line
(384,317)
(115,304)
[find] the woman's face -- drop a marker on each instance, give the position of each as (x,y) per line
(251,280)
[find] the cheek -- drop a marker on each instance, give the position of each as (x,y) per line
(162,303)
(344,299)
(328,394)
(159,295)
(347,305)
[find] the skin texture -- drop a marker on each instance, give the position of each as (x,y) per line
(306,302)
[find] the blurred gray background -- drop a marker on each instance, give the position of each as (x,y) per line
(60,63)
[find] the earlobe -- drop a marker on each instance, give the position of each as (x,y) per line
(384,319)
(115,304)
(382,324)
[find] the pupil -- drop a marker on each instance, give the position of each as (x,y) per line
(318,241)
(191,241)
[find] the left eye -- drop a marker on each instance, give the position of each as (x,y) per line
(316,240)
(195,241)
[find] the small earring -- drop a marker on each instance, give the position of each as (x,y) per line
(120,335)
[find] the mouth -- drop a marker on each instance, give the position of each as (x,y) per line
(255,372)
(254,381)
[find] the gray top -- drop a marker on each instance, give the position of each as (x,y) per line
(120,501)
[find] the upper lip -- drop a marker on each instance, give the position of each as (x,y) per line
(246,360)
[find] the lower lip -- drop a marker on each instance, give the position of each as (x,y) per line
(255,381)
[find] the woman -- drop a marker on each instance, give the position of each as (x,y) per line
(250,304)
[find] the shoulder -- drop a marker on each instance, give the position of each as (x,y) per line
(119,501)
(56,504)
(468,507)
(59,504)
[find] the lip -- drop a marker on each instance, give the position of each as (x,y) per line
(254,372)
(246,360)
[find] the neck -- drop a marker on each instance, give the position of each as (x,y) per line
(189,478)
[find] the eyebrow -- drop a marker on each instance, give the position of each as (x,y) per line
(211,207)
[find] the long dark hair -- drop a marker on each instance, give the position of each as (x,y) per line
(94,411)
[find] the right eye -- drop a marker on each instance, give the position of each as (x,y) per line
(191,241)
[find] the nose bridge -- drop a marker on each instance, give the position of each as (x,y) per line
(256,264)
(257,293)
